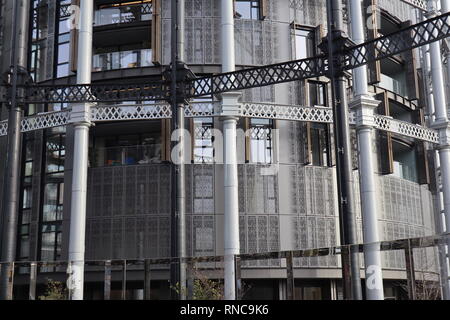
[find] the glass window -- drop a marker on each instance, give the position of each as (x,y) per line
(203,140)
(317,94)
(124,12)
(261,140)
(405,161)
(63,53)
(247,9)
(319,144)
(27,198)
(304,43)
(132,149)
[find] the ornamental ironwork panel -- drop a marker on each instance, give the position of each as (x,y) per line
(131,112)
(417,35)
(45,120)
(3,128)
(406,129)
(420,4)
(257,77)
(287,112)
(97,93)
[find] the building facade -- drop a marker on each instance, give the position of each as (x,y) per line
(286,165)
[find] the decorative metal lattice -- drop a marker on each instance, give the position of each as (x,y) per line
(409,38)
(45,120)
(97,93)
(420,4)
(131,112)
(257,77)
(287,112)
(417,35)
(3,128)
(406,129)
(200,109)
(65,11)
(206,109)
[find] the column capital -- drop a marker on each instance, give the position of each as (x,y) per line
(81,113)
(230,106)
(364,107)
(443,127)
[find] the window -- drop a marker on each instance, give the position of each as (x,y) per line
(140,144)
(123,57)
(319,133)
(26,200)
(304,43)
(39,33)
(63,47)
(53,194)
(261,143)
(317,92)
(203,140)
(319,144)
(124,12)
(405,162)
(248,9)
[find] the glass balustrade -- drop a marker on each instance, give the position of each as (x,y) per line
(391,84)
(127,155)
(122,60)
(123,13)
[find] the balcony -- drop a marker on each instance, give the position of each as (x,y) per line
(391,84)
(122,60)
(123,13)
(128,155)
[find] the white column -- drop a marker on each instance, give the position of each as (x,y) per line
(81,121)
(441,122)
(230,111)
(364,105)
(445,8)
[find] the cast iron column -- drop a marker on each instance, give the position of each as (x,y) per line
(177,99)
(347,212)
(11,194)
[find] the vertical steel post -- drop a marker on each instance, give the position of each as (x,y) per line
(238,277)
(181,181)
(147,280)
(190,280)
(124,280)
(107,281)
(365,106)
(290,276)
(12,178)
(175,174)
(33,278)
(347,213)
(80,118)
(410,272)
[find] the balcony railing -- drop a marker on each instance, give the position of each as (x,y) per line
(122,60)
(393,85)
(417,254)
(127,155)
(124,14)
